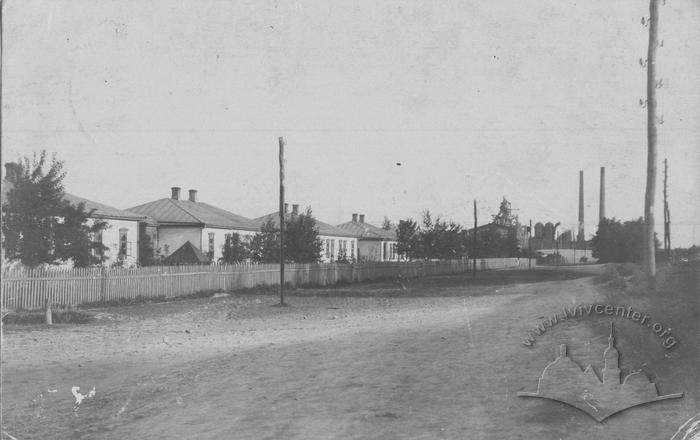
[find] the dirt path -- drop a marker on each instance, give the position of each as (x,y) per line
(438,359)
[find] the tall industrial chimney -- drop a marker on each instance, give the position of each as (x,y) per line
(581,236)
(601,215)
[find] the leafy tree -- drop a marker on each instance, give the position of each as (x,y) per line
(301,241)
(438,239)
(616,242)
(39,225)
(76,237)
(148,255)
(494,242)
(236,249)
(264,246)
(407,238)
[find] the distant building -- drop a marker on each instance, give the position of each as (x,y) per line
(373,243)
(203,225)
(334,240)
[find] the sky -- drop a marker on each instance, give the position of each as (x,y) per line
(474,100)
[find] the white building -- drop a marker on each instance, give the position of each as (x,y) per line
(374,243)
(122,235)
(335,241)
(204,226)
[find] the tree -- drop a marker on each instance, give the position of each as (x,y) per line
(39,225)
(76,237)
(236,249)
(617,242)
(148,255)
(301,242)
(407,238)
(264,246)
(494,241)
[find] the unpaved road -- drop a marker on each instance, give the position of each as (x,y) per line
(432,358)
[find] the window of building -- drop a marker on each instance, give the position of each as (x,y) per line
(332,249)
(352,249)
(123,247)
(211,242)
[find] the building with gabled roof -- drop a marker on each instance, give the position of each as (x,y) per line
(335,240)
(374,243)
(205,226)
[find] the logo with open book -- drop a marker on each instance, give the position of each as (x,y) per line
(565,381)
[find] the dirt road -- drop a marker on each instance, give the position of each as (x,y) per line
(432,358)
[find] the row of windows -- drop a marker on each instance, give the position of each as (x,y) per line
(388,251)
(342,246)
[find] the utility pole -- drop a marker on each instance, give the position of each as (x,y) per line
(649,245)
(529,246)
(667,215)
(474,243)
(281,140)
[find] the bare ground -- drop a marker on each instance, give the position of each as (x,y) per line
(432,358)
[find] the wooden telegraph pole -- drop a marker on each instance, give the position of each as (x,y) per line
(649,245)
(474,244)
(667,215)
(529,246)
(281,140)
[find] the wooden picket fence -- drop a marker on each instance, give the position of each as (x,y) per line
(29,289)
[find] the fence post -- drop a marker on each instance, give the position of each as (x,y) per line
(103,285)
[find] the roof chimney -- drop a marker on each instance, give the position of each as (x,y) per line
(176,192)
(295,209)
(12,169)
(354,218)
(193,195)
(362,218)
(286,208)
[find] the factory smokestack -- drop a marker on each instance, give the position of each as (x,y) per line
(601,215)
(581,236)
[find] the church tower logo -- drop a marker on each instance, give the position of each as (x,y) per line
(563,380)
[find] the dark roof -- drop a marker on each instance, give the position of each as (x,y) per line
(323,228)
(185,212)
(187,254)
(103,211)
(366,231)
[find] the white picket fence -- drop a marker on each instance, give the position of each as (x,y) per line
(30,289)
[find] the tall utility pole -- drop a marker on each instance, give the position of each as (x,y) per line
(649,246)
(474,244)
(667,215)
(281,220)
(529,245)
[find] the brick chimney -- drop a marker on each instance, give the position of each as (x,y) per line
(193,195)
(295,209)
(362,218)
(286,208)
(354,218)
(175,193)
